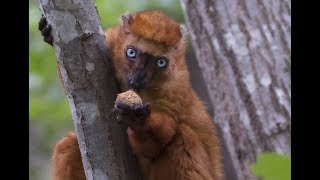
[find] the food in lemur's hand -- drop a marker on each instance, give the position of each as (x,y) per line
(169,129)
(129,97)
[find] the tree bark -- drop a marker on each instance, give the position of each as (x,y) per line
(88,76)
(244,51)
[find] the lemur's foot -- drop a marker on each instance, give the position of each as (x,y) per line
(45,29)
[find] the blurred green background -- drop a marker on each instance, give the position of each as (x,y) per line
(49,114)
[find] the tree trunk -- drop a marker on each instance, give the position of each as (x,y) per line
(244,51)
(87,73)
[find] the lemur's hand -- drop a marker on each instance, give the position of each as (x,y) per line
(133,116)
(45,29)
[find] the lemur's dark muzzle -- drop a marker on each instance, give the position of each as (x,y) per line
(136,81)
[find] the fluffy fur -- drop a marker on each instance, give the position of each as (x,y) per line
(178,140)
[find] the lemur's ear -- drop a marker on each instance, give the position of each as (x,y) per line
(126,21)
(183,30)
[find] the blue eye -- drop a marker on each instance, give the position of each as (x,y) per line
(131,53)
(161,63)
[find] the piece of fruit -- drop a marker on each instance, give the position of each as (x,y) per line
(129,97)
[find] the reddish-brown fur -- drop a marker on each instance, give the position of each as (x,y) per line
(178,140)
(67,162)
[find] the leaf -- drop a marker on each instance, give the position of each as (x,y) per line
(272,166)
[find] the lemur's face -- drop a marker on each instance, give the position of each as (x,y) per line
(148,54)
(145,67)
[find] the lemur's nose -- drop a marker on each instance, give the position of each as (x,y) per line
(137,80)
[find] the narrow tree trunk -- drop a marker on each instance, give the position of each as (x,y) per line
(243,49)
(88,77)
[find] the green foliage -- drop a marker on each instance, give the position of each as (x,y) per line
(272,166)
